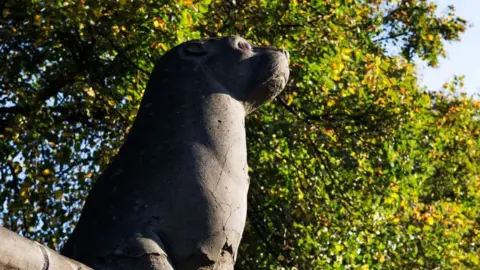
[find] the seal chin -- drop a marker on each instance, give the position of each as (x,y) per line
(276,84)
(283,81)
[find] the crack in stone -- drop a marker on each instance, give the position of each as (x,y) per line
(223,165)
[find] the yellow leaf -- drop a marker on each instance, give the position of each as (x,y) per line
(430,220)
(239,26)
(294,2)
(331,102)
(187,2)
(67,134)
(97,13)
(430,37)
(89,91)
(89,175)
(46,172)
(325,89)
(300,195)
(289,99)
(111,102)
(459,221)
(158,45)
(338,247)
(9,129)
(164,47)
(6,12)
(38,18)
(345,57)
(475,260)
(189,18)
(388,201)
(351,90)
(380,101)
(159,23)
(58,194)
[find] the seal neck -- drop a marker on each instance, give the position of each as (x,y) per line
(176,112)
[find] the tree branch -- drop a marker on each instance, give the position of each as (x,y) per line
(123,53)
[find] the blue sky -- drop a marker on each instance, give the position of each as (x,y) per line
(463,58)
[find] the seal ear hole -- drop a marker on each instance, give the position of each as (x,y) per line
(195,48)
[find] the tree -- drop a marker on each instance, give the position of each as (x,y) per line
(355,165)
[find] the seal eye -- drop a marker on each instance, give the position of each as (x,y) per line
(244,45)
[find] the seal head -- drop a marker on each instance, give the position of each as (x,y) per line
(250,74)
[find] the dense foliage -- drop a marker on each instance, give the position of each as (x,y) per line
(354,166)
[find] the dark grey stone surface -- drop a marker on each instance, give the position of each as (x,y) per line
(179,183)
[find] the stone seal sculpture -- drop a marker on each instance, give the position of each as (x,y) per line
(175,196)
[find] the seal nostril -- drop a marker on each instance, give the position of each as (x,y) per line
(286,54)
